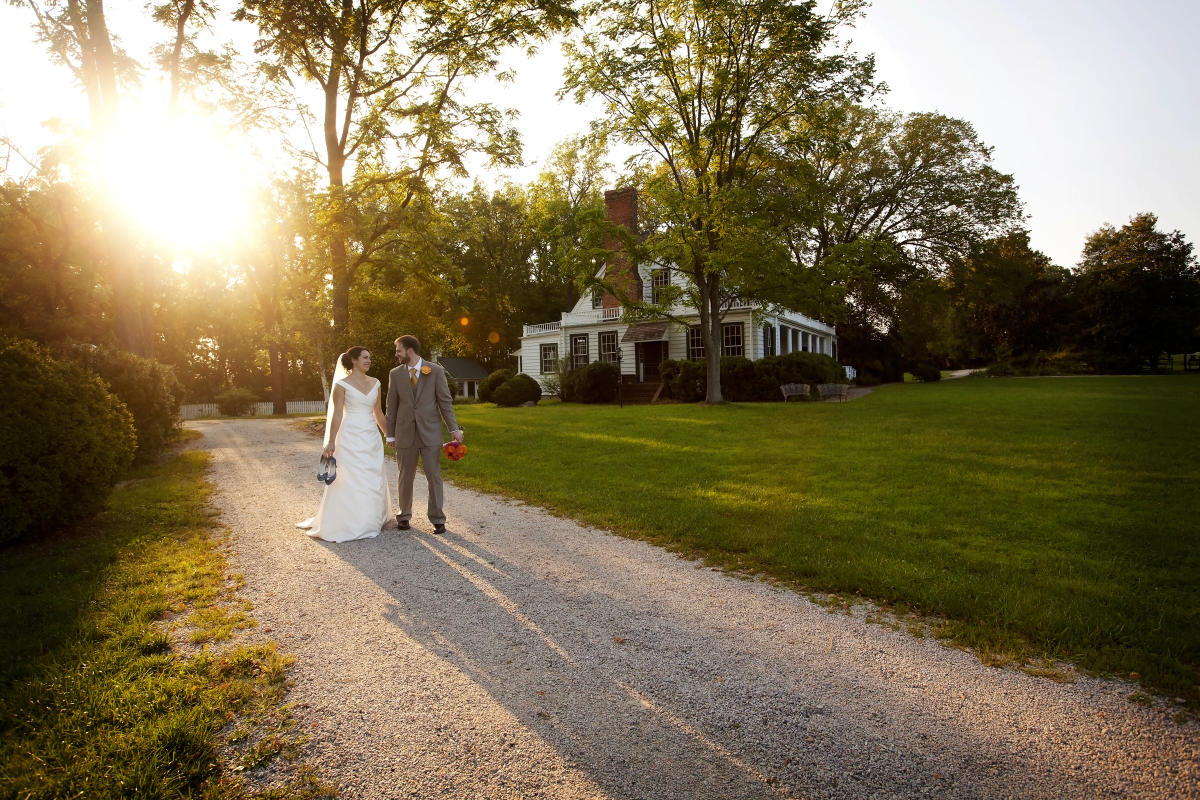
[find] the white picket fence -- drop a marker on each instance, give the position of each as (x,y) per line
(197,410)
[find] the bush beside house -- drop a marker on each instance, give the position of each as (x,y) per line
(517,390)
(492,383)
(743,380)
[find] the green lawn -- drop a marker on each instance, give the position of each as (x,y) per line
(96,699)
(1040,518)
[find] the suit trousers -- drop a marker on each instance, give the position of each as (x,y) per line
(431,464)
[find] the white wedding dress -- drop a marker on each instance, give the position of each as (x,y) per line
(358,502)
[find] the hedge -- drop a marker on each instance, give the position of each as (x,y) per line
(492,383)
(517,390)
(744,380)
(65,440)
(236,402)
(147,388)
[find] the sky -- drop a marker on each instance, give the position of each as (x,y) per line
(1093,106)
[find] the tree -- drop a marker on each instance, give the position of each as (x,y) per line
(1009,301)
(391,74)
(1139,289)
(76,34)
(708,89)
(565,202)
(488,239)
(49,249)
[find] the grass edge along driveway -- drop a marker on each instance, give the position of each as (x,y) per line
(1047,518)
(121,672)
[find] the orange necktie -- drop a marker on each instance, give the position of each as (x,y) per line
(413,375)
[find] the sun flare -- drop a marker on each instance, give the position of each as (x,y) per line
(183,182)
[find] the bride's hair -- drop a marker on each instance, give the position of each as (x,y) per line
(350,355)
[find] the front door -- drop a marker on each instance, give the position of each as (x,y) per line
(649,356)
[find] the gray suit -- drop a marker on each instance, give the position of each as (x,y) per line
(414,419)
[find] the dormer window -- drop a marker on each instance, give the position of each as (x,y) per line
(597,297)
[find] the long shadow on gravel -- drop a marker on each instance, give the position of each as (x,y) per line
(659,700)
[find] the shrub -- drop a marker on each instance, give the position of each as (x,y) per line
(738,382)
(685,380)
(516,390)
(570,384)
(236,402)
(927,373)
(866,379)
(147,388)
(811,368)
(65,440)
(492,383)
(597,382)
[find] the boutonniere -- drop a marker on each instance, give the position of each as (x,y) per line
(425,370)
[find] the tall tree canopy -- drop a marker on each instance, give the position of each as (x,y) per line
(392,76)
(709,90)
(1140,293)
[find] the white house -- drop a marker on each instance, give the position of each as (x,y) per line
(594,331)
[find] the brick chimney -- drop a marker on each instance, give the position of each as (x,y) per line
(621,208)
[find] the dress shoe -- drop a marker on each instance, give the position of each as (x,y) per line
(401,524)
(439,529)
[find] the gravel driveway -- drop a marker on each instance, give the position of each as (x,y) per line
(524,656)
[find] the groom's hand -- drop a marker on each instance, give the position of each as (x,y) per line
(457,435)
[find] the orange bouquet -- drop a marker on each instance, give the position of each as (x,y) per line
(454,450)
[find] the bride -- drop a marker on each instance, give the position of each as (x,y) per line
(357,503)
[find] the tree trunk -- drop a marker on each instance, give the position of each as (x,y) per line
(106,70)
(100,79)
(335,150)
(710,326)
(177,51)
(87,64)
(279,365)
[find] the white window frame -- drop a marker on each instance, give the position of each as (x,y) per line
(552,360)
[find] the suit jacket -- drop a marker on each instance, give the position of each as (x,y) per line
(413,411)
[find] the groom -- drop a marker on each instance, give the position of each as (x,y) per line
(417,395)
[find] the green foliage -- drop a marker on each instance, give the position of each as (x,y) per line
(147,388)
(707,180)
(907,496)
(738,379)
(94,700)
(494,381)
(396,110)
(51,287)
(1008,298)
(236,402)
(65,440)
(594,383)
(744,380)
(927,373)
(685,380)
(1139,291)
(517,390)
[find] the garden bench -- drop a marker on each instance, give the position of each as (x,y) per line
(827,391)
(791,390)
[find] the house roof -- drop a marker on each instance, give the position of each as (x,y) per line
(463,369)
(646,332)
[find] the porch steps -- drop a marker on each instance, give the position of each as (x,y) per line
(640,393)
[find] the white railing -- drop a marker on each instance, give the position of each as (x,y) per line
(610,313)
(197,410)
(544,327)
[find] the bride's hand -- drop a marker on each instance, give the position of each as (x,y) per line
(327,452)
